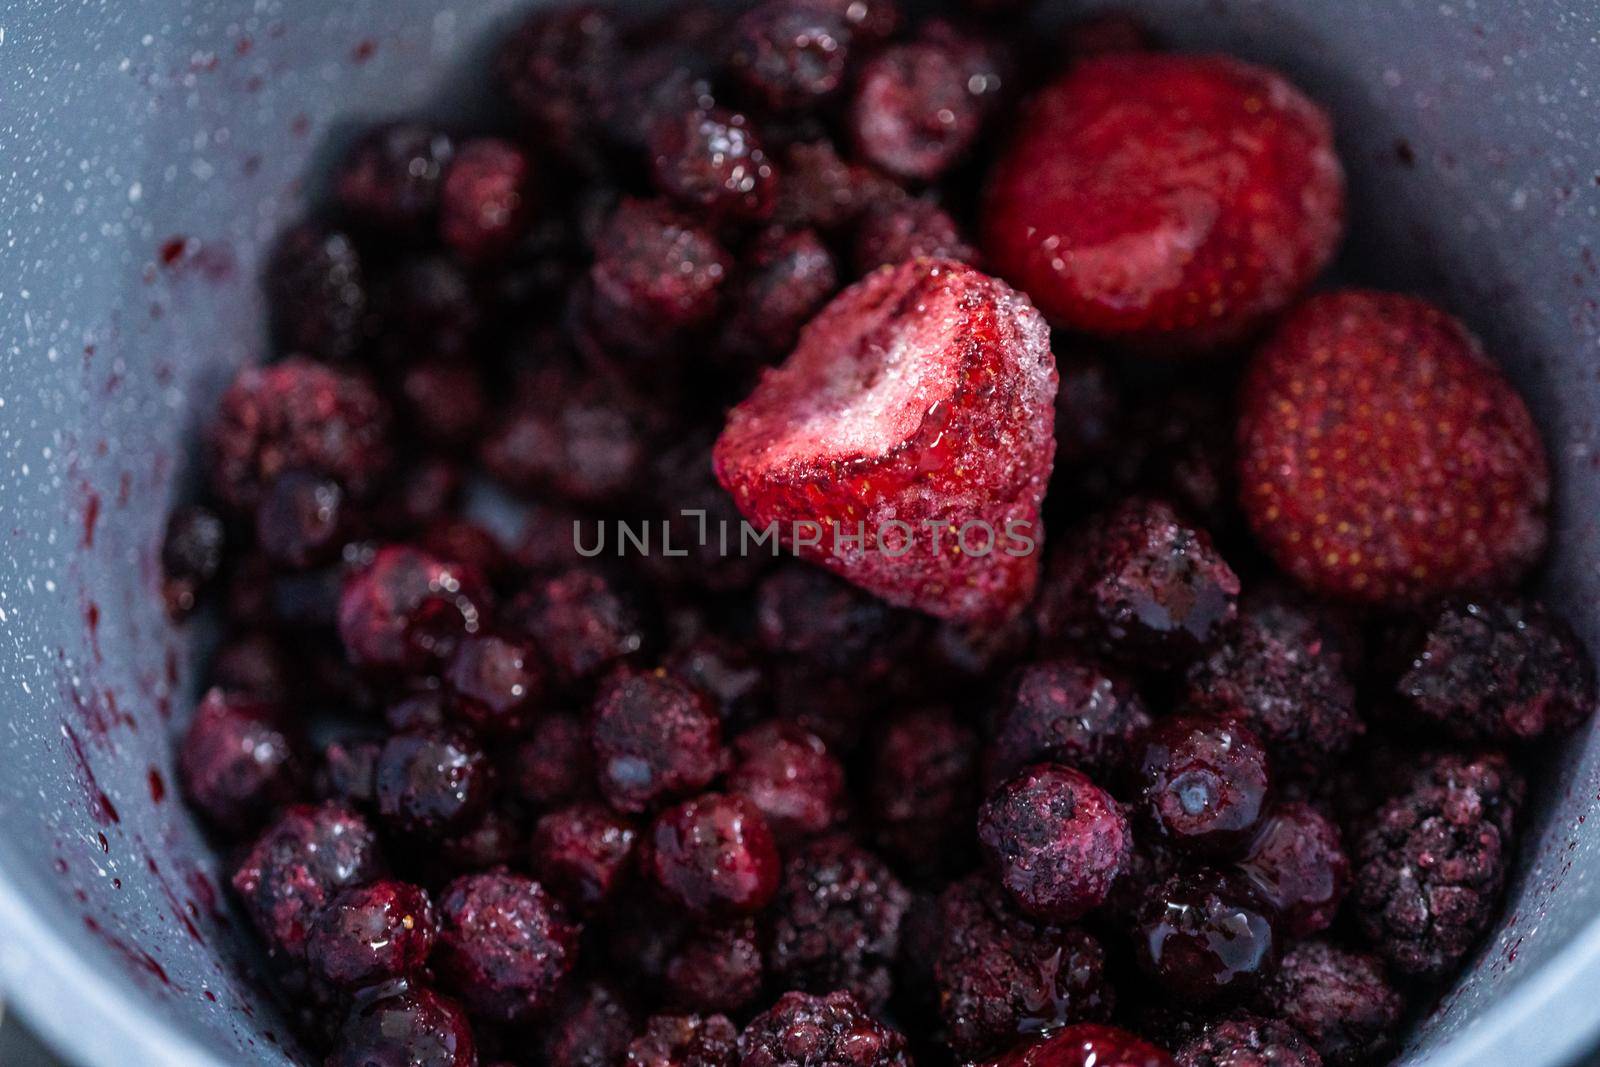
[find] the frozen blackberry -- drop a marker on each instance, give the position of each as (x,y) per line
(1071,711)
(836,922)
(1205,783)
(389,178)
(685,1041)
(714,856)
(1501,671)
(1432,864)
(505,946)
(1205,937)
(716,967)
(583,620)
(1001,976)
(788,773)
(656,274)
(923,790)
(1056,840)
(1248,1041)
(1278,671)
(654,739)
(1340,1000)
(805,1030)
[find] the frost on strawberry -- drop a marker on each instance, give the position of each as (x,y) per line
(917,408)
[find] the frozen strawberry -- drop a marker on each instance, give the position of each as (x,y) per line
(918,409)
(1384,459)
(1171,201)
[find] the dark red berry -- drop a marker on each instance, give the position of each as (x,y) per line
(297,866)
(406,611)
(915,113)
(654,739)
(1002,977)
(430,785)
(1088,1045)
(557,70)
(1205,937)
(407,1027)
(790,776)
(389,178)
(1056,840)
(836,922)
(297,415)
(592,1027)
(316,288)
(785,278)
(555,764)
(923,790)
(790,56)
(505,946)
(583,620)
(1205,783)
(445,400)
(685,1041)
(301,519)
(372,933)
(1248,1041)
(656,274)
(239,760)
(1298,865)
(1340,1000)
(486,199)
(191,556)
(468,543)
(495,683)
(584,852)
(895,230)
(1070,711)
(803,1030)
(819,189)
(1139,583)
(1498,670)
(714,856)
(711,162)
(717,967)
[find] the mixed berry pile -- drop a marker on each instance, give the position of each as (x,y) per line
(1226,768)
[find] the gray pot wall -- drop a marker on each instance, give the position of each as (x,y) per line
(126,125)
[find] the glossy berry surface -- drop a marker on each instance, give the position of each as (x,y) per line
(407,609)
(1071,711)
(914,113)
(1205,783)
(805,1030)
(712,161)
(1056,841)
(654,739)
(790,776)
(1297,864)
(1088,1045)
(505,945)
(1248,1041)
(238,761)
(1205,937)
(495,683)
(429,784)
(881,414)
(714,856)
(372,933)
(413,1027)
(1452,485)
(584,853)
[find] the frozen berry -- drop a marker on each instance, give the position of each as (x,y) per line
(316,288)
(1383,458)
(1171,201)
(920,397)
(554,765)
(1141,584)
(806,614)
(714,856)
(495,683)
(505,946)
(727,672)
(836,922)
(191,557)
(495,840)
(790,56)
(297,866)
(656,273)
(923,790)
(1205,783)
(1499,670)
(785,279)
(301,519)
(405,1027)
(1002,977)
(1205,937)
(486,199)
(297,415)
(654,739)
(717,967)
(819,189)
(804,1030)
(1279,671)
(1432,863)
(557,70)
(406,611)
(431,784)
(893,231)
(1298,865)
(1056,840)
(583,852)
(582,619)
(372,933)
(592,1027)
(1248,1041)
(686,1041)
(914,113)
(1339,999)
(1071,711)
(389,178)
(1088,1045)
(791,777)
(712,163)
(238,761)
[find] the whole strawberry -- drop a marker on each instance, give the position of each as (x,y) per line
(1384,459)
(1174,202)
(917,410)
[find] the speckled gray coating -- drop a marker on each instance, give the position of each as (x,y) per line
(1473,142)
